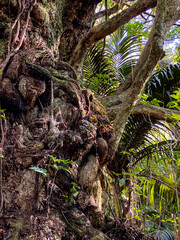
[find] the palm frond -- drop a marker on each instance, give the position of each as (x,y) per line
(163,83)
(136,131)
(148,152)
(163,234)
(116,60)
(142,138)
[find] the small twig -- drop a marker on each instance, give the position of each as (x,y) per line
(1,152)
(1,186)
(149,14)
(104,42)
(52,101)
(69,222)
(109,12)
(5,62)
(143,17)
(17,34)
(111,210)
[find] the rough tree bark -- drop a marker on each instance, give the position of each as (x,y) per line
(48,113)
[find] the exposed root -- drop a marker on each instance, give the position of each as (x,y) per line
(12,50)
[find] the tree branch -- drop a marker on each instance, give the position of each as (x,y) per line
(110,11)
(152,53)
(106,28)
(150,110)
(155,111)
(177,15)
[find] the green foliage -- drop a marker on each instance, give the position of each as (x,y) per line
(163,82)
(145,142)
(62,161)
(175,103)
(121,182)
(175,116)
(157,184)
(56,165)
(105,68)
(145,101)
(98,69)
(2,111)
(73,193)
(177,53)
(137,28)
(74,189)
(43,171)
(173,33)
(137,133)
(96,83)
(149,158)
(59,165)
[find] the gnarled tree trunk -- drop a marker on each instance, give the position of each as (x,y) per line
(48,114)
(49,118)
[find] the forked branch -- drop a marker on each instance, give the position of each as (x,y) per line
(166,15)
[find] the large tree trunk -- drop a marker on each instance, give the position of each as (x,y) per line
(47,113)
(49,118)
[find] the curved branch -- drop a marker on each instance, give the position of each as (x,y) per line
(155,111)
(150,110)
(106,28)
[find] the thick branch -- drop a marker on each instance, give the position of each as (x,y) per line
(106,28)
(155,111)
(150,110)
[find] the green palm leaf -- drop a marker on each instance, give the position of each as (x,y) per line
(115,59)
(162,83)
(162,234)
